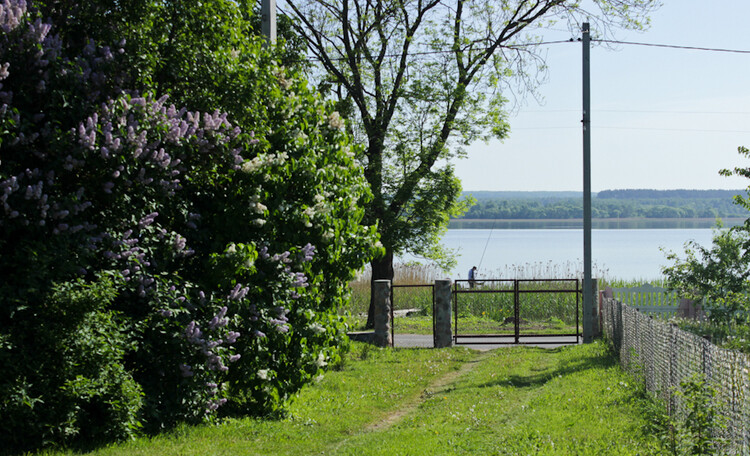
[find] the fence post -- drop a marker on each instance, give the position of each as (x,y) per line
(443,335)
(382,320)
(590,315)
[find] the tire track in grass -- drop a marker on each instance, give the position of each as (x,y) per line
(409,405)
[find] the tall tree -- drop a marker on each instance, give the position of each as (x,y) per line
(421,79)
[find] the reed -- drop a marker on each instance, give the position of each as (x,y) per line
(403,298)
(536,305)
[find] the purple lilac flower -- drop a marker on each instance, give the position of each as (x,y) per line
(300,280)
(308,252)
(219,319)
(283,257)
(147,220)
(193,332)
(234,358)
(179,243)
(232,337)
(186,370)
(238,292)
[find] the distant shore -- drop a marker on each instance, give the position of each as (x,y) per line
(599,223)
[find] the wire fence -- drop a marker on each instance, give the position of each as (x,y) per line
(664,355)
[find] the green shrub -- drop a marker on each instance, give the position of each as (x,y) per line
(211,254)
(64,377)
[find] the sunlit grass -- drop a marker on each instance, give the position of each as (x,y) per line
(571,400)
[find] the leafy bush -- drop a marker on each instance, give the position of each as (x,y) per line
(163,261)
(71,345)
(717,275)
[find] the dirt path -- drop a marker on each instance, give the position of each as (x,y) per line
(440,385)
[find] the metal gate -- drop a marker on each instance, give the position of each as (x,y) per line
(508,295)
(393,305)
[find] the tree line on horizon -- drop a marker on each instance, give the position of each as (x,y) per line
(641,203)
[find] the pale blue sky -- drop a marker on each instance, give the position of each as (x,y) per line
(661,118)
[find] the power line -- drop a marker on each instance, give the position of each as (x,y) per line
(639,111)
(451,51)
(700,130)
(674,46)
(602,127)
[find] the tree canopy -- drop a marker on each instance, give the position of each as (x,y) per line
(421,79)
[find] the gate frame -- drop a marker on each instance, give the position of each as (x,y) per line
(516,311)
(393,320)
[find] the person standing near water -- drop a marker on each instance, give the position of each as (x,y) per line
(472,277)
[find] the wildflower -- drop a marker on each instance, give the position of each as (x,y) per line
(263,374)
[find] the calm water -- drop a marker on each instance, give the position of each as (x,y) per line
(617,254)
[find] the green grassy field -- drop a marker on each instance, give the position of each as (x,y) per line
(513,401)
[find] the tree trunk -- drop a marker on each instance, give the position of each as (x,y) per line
(382,268)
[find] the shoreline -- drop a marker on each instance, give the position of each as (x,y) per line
(597,223)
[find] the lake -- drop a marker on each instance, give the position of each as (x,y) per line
(531,253)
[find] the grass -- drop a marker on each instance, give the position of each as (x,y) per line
(571,400)
(470,324)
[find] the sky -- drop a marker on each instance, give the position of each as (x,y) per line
(661,118)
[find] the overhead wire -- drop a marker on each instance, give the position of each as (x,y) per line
(674,46)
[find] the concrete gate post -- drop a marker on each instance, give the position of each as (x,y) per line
(382,320)
(591,316)
(443,293)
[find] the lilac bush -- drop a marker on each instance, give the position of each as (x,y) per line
(212,254)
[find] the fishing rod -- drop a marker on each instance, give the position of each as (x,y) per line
(487,243)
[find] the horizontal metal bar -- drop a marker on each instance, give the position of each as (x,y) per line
(484,291)
(549,291)
(429,285)
(495,290)
(513,342)
(513,335)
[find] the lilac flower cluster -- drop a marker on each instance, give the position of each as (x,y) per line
(11,13)
(280,321)
(220,319)
(238,293)
(209,347)
(307,252)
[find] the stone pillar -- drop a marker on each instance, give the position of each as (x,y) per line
(382,336)
(591,316)
(443,304)
(597,327)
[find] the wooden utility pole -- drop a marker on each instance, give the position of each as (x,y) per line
(588,288)
(268,19)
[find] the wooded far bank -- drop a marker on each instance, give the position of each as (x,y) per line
(608,204)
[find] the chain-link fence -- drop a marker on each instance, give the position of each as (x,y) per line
(665,355)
